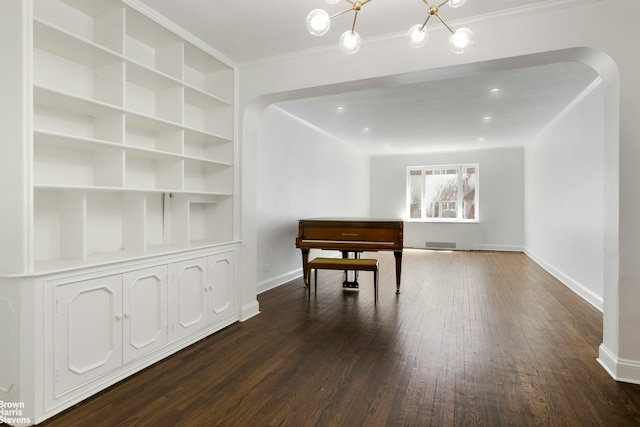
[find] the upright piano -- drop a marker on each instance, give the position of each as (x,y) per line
(351,235)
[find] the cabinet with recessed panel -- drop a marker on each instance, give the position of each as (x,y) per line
(119,141)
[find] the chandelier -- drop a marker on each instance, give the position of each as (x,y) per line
(319,22)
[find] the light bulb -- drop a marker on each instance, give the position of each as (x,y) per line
(332,1)
(350,42)
(456,3)
(461,40)
(417,36)
(318,22)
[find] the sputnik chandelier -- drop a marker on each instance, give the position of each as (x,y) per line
(319,22)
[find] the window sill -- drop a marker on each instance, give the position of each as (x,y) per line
(443,221)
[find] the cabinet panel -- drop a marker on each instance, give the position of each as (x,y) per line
(88,331)
(220,288)
(187,295)
(145,311)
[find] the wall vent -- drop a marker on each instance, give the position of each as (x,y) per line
(440,245)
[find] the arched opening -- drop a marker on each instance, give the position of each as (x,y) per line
(598,61)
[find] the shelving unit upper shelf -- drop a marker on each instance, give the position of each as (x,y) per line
(133,137)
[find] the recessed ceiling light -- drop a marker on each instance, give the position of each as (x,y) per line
(365,130)
(487,118)
(340,109)
(495,90)
(481,139)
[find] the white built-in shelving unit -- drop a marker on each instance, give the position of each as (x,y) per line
(120,236)
(133,137)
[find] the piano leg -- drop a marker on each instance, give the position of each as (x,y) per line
(305,262)
(398,256)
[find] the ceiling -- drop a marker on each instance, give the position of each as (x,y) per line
(433,115)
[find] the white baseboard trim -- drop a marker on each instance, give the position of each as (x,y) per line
(585,293)
(627,371)
(274,282)
(504,248)
(247,311)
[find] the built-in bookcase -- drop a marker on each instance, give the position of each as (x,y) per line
(120,240)
(133,137)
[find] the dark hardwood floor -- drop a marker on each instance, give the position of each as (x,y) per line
(475,339)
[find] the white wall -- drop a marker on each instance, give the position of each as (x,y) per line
(302,172)
(501,198)
(564,205)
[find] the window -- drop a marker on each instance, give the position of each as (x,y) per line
(443,193)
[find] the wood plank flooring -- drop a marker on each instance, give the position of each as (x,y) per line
(474,339)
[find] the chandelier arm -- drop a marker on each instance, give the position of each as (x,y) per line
(443,3)
(427,3)
(425,23)
(365,2)
(349,1)
(340,13)
(445,23)
(353,27)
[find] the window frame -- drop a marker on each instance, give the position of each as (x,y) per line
(460,194)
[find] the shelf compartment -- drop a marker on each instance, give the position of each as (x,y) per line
(208,114)
(208,177)
(105,217)
(98,21)
(208,147)
(210,221)
(118,225)
(198,219)
(154,220)
(151,134)
(202,71)
(58,225)
(142,222)
(60,113)
(152,94)
(152,45)
(147,170)
(71,65)
(63,161)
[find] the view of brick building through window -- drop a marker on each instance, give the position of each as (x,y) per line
(443,192)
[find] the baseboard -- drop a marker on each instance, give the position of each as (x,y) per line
(274,282)
(627,371)
(582,291)
(249,310)
(501,248)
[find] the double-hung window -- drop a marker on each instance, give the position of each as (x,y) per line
(443,193)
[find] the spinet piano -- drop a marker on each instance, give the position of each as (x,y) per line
(351,235)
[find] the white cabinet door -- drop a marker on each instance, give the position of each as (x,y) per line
(145,311)
(88,327)
(187,306)
(220,288)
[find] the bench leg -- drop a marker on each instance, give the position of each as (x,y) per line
(315,282)
(375,286)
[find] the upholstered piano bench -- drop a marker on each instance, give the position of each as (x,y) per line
(352,264)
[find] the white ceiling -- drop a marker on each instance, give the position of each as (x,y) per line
(432,115)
